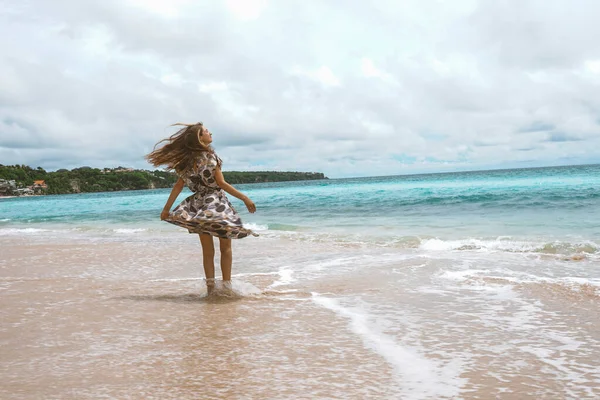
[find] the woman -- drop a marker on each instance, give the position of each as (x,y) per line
(207,211)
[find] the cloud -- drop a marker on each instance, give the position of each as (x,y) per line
(346,88)
(561,137)
(537,126)
(246,9)
(323,75)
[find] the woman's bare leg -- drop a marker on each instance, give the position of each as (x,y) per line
(226,258)
(208,260)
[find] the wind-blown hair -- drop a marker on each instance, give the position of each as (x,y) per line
(181,149)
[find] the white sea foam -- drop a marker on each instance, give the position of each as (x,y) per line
(498,244)
(505,244)
(460,276)
(478,244)
(256,227)
(495,280)
(285,277)
(129,230)
(245,288)
(4,219)
(336,262)
(175,279)
(516,277)
(22,231)
(236,288)
(573,376)
(564,350)
(255,274)
(419,376)
(411,268)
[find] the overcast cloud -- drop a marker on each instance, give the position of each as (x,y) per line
(348,88)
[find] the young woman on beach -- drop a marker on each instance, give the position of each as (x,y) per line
(207,211)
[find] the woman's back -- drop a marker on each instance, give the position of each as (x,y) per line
(202,177)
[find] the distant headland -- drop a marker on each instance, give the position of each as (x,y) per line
(22,180)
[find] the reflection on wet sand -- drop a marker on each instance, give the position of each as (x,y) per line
(118,320)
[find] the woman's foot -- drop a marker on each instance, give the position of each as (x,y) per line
(210,285)
(228,288)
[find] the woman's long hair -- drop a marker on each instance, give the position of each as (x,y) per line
(181,149)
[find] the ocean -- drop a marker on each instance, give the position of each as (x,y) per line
(467,285)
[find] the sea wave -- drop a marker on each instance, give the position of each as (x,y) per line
(410,364)
(129,230)
(573,249)
(500,199)
(563,286)
(256,227)
(512,246)
(22,231)
(566,248)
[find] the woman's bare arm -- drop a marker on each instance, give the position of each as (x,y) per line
(233,191)
(177,188)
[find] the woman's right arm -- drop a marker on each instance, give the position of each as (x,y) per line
(177,188)
(233,191)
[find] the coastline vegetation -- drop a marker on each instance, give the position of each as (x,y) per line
(87,179)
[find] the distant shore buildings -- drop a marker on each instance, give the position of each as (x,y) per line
(40,184)
(118,169)
(10,188)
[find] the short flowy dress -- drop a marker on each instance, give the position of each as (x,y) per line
(208,210)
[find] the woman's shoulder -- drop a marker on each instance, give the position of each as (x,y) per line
(209,158)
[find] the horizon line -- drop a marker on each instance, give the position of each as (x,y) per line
(469,171)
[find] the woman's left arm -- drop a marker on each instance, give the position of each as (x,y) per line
(233,191)
(177,188)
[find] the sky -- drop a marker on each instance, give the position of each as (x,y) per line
(344,87)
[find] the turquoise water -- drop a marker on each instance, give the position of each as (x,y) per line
(541,205)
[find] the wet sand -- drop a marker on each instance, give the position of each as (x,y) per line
(131,320)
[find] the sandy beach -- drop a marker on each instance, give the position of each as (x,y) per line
(130,320)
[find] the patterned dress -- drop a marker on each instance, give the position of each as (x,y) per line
(208,210)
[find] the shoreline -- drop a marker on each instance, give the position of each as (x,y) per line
(329,305)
